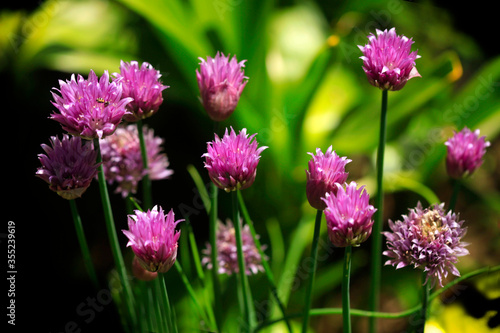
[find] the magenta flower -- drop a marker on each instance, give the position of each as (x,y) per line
(325,170)
(227,256)
(232,162)
(429,239)
(348,215)
(90,108)
(221,82)
(144,86)
(122,159)
(68,166)
(153,238)
(465,152)
(388,61)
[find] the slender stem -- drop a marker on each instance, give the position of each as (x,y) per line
(386,315)
(265,264)
(454,195)
(213,256)
(146,181)
(162,321)
(241,263)
(346,303)
(172,325)
(83,244)
(113,238)
(425,303)
(377,226)
(312,271)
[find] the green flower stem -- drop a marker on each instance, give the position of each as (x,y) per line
(385,315)
(191,292)
(83,244)
(346,303)
(113,238)
(170,316)
(146,181)
(245,290)
(378,223)
(265,264)
(425,303)
(213,256)
(454,195)
(312,271)
(161,320)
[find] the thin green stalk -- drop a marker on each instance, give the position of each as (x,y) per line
(454,195)
(245,290)
(378,223)
(425,303)
(346,303)
(385,315)
(113,239)
(213,257)
(163,323)
(172,325)
(265,264)
(83,244)
(312,271)
(146,181)
(191,292)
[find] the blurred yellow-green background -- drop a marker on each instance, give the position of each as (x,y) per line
(306,89)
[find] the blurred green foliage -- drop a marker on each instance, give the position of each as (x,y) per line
(306,90)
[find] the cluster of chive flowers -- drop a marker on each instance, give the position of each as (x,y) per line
(347,210)
(153,238)
(122,159)
(227,257)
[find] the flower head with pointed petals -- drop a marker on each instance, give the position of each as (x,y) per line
(429,239)
(143,84)
(388,61)
(221,82)
(348,215)
(90,108)
(232,161)
(68,166)
(465,151)
(227,256)
(122,159)
(153,238)
(325,170)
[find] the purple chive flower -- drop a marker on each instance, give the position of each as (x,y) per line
(140,273)
(325,170)
(221,82)
(68,166)
(465,153)
(429,239)
(348,215)
(232,161)
(388,61)
(144,86)
(122,159)
(227,256)
(90,108)
(153,238)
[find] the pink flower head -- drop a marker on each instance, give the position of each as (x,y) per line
(90,108)
(227,256)
(325,170)
(221,82)
(68,166)
(122,159)
(465,153)
(153,238)
(388,61)
(429,239)
(232,161)
(144,86)
(348,215)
